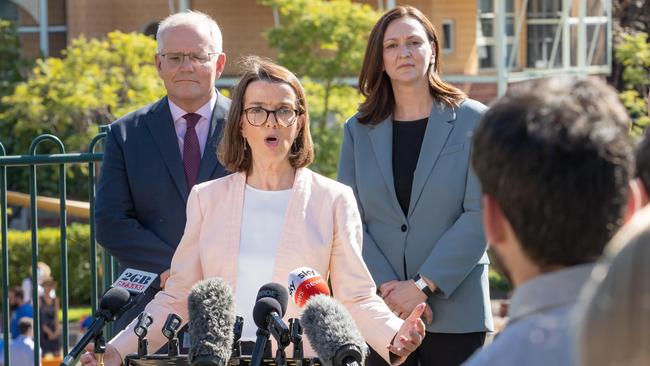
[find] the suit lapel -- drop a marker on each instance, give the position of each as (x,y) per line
(381,137)
(438,128)
(160,125)
(209,159)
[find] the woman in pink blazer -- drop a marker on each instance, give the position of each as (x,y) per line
(268,218)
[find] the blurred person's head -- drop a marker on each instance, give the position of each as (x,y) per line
(403,51)
(615,305)
(16,297)
(25,327)
(554,161)
(190,58)
(42,271)
(268,120)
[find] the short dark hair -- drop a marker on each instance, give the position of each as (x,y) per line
(642,155)
(375,84)
(557,157)
(24,325)
(232,152)
(18,292)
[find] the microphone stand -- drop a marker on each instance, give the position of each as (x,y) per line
(260,344)
(296,338)
(281,333)
(100,348)
(237,329)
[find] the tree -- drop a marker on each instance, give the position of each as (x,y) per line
(93,83)
(323,42)
(11,64)
(327,139)
(633,53)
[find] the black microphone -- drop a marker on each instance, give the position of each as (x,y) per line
(212,317)
(237,330)
(169,330)
(268,311)
(332,333)
(114,302)
(141,328)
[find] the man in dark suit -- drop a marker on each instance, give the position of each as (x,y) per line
(154,156)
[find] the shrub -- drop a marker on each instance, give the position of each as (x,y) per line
(49,247)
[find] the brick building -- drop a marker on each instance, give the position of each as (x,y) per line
(538,37)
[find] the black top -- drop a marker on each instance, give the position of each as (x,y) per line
(407,141)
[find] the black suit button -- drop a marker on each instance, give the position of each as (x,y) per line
(404,228)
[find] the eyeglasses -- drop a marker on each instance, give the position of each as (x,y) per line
(175,59)
(257,116)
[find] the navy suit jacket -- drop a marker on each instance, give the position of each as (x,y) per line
(142,193)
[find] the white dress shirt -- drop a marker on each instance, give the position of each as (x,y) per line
(202,127)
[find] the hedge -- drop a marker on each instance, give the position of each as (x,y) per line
(20,258)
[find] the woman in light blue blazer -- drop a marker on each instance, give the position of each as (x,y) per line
(406,156)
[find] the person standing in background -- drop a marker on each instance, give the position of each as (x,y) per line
(155,155)
(406,156)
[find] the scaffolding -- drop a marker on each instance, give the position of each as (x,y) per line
(578,40)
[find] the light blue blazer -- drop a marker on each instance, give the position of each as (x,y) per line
(442,236)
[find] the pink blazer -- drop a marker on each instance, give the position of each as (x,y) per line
(322,230)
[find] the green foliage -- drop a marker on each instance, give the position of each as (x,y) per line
(20,258)
(11,64)
(324,41)
(95,82)
(321,39)
(498,283)
(634,54)
(327,139)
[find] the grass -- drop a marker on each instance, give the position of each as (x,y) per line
(76,313)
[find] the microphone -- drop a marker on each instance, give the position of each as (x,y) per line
(169,330)
(141,328)
(305,282)
(237,330)
(114,302)
(270,306)
(296,338)
(332,333)
(211,321)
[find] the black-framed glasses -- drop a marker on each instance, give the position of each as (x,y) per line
(175,59)
(257,116)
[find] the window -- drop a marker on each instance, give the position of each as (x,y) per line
(447,36)
(544,21)
(8,11)
(485,39)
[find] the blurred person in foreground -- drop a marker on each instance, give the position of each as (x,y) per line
(554,161)
(614,316)
(406,156)
(271,216)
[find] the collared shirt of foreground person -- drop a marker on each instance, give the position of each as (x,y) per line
(267,143)
(153,156)
(554,161)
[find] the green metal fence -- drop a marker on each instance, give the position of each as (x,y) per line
(32,161)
